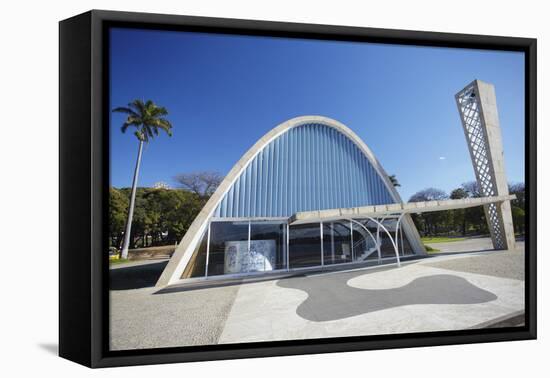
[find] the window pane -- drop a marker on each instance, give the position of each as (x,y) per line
(336,243)
(364,245)
(267,247)
(404,245)
(386,249)
(227,239)
(305,245)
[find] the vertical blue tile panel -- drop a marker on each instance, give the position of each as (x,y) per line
(309,167)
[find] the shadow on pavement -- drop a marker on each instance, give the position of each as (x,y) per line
(135,277)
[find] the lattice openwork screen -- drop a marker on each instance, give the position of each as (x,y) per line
(476,135)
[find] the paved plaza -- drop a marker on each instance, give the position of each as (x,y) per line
(443,292)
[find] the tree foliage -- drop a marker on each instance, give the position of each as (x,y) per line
(118,210)
(463,221)
(518,206)
(146,117)
(161,216)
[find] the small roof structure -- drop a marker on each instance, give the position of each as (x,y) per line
(394,209)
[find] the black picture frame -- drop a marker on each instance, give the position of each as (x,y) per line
(84,173)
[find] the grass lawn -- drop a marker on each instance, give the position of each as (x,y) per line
(431,250)
(440,239)
(117,261)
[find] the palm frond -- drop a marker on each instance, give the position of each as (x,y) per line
(131,121)
(159,111)
(147,117)
(123,109)
(138,105)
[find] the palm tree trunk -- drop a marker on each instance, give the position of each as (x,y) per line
(124,253)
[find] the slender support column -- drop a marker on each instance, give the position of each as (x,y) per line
(378,244)
(378,241)
(397,233)
(402,244)
(351,238)
(287,247)
(207,251)
(249,227)
(322,244)
(332,254)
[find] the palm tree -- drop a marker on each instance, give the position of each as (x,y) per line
(148,119)
(394,181)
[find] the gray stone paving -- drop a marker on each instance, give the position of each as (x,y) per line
(331,298)
(505,264)
(142,319)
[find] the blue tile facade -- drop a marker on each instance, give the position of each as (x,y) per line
(308,167)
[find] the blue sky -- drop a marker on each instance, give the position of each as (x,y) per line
(224,92)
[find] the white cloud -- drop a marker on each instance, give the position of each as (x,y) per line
(442,158)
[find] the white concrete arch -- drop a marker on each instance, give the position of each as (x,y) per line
(186,247)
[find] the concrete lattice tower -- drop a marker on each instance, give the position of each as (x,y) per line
(478,111)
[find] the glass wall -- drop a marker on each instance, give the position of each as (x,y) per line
(267,246)
(336,243)
(245,247)
(364,245)
(305,245)
(405,248)
(237,247)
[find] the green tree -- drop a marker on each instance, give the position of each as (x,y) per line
(519,190)
(430,223)
(161,217)
(147,118)
(118,209)
(518,217)
(475,216)
(518,206)
(459,215)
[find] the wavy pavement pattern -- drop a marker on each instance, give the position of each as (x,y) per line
(331,298)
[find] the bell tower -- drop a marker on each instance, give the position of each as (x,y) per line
(477,106)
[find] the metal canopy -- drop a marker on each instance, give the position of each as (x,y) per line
(394,209)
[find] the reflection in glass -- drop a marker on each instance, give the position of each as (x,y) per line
(364,245)
(226,238)
(387,249)
(267,246)
(336,243)
(305,245)
(258,246)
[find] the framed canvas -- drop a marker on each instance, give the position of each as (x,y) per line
(235,188)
